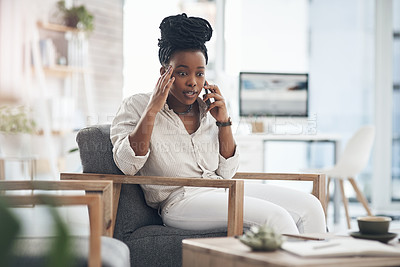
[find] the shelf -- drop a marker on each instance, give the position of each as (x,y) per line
(55,132)
(8,98)
(56,27)
(63,71)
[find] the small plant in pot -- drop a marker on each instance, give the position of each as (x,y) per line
(16,128)
(76,16)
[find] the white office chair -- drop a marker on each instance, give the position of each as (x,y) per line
(351,162)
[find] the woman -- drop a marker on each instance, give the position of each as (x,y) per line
(172,132)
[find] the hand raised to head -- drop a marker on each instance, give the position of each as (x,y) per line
(161,90)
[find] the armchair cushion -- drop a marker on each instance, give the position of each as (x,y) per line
(133,212)
(165,242)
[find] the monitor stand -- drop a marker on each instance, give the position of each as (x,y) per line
(291,125)
(257,127)
(277,125)
(280,125)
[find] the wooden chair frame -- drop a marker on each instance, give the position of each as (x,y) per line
(94,203)
(104,188)
(235,187)
(318,181)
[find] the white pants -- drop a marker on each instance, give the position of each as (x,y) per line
(286,210)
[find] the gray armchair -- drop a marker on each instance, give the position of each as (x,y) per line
(139,226)
(136,224)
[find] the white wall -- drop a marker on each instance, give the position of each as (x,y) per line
(274,36)
(342,70)
(142,20)
(342,64)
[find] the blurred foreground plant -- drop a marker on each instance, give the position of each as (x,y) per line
(60,252)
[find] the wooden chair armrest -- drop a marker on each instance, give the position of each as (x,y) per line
(235,187)
(103,187)
(94,204)
(318,180)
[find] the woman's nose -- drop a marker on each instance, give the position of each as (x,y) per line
(191,82)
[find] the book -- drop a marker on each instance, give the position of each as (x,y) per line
(341,247)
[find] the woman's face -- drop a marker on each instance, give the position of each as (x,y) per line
(189,72)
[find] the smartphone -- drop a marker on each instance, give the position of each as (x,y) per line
(208,101)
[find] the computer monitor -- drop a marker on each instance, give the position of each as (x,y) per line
(273,94)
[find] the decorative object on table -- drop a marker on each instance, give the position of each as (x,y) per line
(374,228)
(76,16)
(16,127)
(262,238)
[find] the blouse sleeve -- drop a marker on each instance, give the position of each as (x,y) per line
(228,167)
(123,124)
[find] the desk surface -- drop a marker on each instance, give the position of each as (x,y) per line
(229,251)
(291,137)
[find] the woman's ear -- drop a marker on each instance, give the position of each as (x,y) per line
(162,70)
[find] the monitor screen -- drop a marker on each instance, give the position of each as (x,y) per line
(273,94)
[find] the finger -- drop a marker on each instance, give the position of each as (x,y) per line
(166,76)
(216,97)
(167,70)
(213,88)
(168,85)
(160,79)
(216,104)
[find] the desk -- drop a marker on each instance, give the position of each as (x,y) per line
(253,157)
(254,143)
(29,161)
(229,251)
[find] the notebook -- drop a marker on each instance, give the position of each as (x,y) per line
(341,247)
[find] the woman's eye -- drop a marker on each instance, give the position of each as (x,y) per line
(201,74)
(181,73)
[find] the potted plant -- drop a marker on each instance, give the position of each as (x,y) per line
(16,128)
(76,16)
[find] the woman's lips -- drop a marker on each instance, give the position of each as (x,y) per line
(190,94)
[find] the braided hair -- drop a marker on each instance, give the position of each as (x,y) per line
(181,32)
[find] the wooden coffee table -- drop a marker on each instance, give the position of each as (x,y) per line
(229,251)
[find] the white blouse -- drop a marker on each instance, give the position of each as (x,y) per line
(173,151)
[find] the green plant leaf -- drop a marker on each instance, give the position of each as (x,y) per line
(9,229)
(16,120)
(77,16)
(60,254)
(73,150)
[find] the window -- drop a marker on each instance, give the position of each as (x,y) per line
(396,103)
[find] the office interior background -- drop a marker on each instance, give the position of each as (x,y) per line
(349,48)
